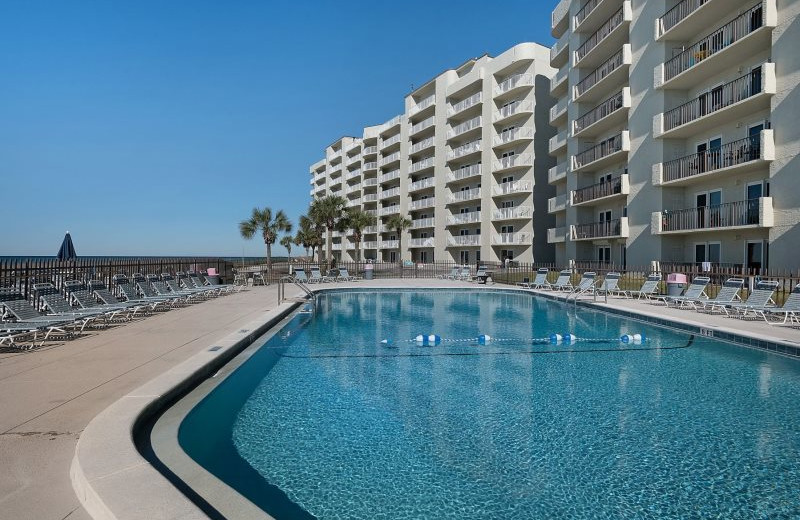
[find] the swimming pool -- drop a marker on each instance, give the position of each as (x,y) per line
(327,420)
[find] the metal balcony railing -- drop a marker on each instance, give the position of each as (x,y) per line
(604,109)
(508,239)
(370,150)
(729,154)
(466,172)
(598,191)
(517,107)
(677,14)
(464,127)
(389,176)
(737,90)
(723,37)
(464,240)
(601,34)
(509,136)
(369,244)
(389,210)
(607,228)
(390,244)
(423,223)
(390,193)
(585,11)
(508,188)
(353,174)
(370,166)
(370,197)
(516,80)
(389,159)
(422,203)
(373,181)
(425,143)
(422,184)
(421,242)
(465,195)
(512,213)
(464,218)
(389,142)
(422,164)
(604,149)
(729,214)
(513,161)
(422,105)
(465,149)
(464,104)
(422,125)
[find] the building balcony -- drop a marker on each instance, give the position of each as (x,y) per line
(465,104)
(514,83)
(422,164)
(423,223)
(557,235)
(725,104)
(558,83)
(592,14)
(370,197)
(740,156)
(422,185)
(352,189)
(335,171)
(511,137)
(512,239)
(611,35)
(467,172)
(371,230)
(389,244)
(422,125)
(464,218)
(512,188)
(425,144)
(465,127)
(557,173)
(353,174)
(601,192)
(558,143)
(336,246)
(464,196)
(464,241)
(353,160)
(559,18)
(558,112)
(608,229)
(512,162)
(369,244)
(559,51)
(372,181)
(743,214)
(422,105)
(607,152)
(373,212)
(373,165)
(351,203)
(464,150)
(692,17)
(389,159)
(611,113)
(421,242)
(370,150)
(389,194)
(332,183)
(389,176)
(390,124)
(557,204)
(612,71)
(514,109)
(516,213)
(386,143)
(415,205)
(746,35)
(389,210)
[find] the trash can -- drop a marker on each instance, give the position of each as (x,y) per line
(368,272)
(213,279)
(676,283)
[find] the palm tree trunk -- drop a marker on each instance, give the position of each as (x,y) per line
(328,247)
(400,247)
(269,256)
(358,250)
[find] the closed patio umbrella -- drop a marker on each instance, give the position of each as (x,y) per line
(67,251)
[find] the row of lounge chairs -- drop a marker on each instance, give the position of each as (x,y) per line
(465,274)
(63,314)
(759,304)
(316,276)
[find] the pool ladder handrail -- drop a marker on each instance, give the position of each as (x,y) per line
(282,288)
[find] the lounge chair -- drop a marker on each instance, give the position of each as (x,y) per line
(300,275)
(563,282)
(27,320)
(695,292)
(85,298)
(464,274)
(102,293)
(759,299)
(345,276)
(55,303)
(131,294)
(479,275)
(539,281)
(647,290)
(610,284)
(189,293)
(316,276)
(449,276)
(146,289)
(586,284)
(790,310)
(728,293)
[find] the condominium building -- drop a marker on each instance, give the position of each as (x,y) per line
(467,163)
(677,131)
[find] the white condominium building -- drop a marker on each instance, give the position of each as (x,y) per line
(467,163)
(678,131)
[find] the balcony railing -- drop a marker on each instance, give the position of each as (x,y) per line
(464,240)
(558,109)
(508,188)
(604,109)
(423,223)
(585,11)
(600,35)
(389,159)
(511,239)
(737,90)
(521,160)
(353,174)
(465,195)
(422,125)
(464,218)
(425,143)
(559,13)
(370,197)
(422,184)
(353,188)
(560,46)
(464,104)
(465,149)
(509,136)
(422,164)
(517,107)
(390,176)
(607,228)
(599,151)
(370,166)
(729,214)
(352,160)
(373,181)
(422,105)
(390,123)
(730,154)
(512,213)
(560,76)
(557,203)
(369,150)
(557,172)
(556,235)
(389,142)
(464,127)
(723,37)
(594,77)
(390,244)
(598,191)
(394,192)
(369,244)
(677,14)
(421,242)
(466,172)
(557,142)
(353,202)
(389,210)
(514,81)
(422,203)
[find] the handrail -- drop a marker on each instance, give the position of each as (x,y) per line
(298,283)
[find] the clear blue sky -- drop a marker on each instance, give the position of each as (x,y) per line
(153,127)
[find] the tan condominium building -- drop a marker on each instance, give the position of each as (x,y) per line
(467,163)
(678,131)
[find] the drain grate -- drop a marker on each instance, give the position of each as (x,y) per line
(214,349)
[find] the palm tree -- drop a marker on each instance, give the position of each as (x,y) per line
(308,235)
(357,220)
(261,220)
(399,223)
(328,211)
(287,241)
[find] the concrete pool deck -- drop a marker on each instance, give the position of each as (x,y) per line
(51,394)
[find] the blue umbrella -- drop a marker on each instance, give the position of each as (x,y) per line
(67,251)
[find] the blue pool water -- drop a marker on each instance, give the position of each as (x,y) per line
(325,421)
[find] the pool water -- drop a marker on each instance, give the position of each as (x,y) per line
(327,421)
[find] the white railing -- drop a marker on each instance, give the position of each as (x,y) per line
(389,142)
(514,81)
(558,141)
(389,210)
(390,176)
(512,213)
(559,47)
(600,35)
(422,184)
(464,149)
(464,218)
(421,242)
(560,76)
(555,235)
(558,14)
(557,172)
(353,202)
(464,104)
(373,212)
(390,159)
(464,240)
(390,123)
(370,166)
(422,203)
(466,172)
(425,143)
(516,134)
(517,107)
(352,161)
(422,164)
(370,150)
(423,223)
(587,8)
(372,181)
(502,239)
(558,109)
(512,187)
(464,127)
(557,203)
(353,188)
(422,104)
(353,174)
(422,125)
(390,244)
(465,195)
(390,193)
(513,161)
(370,197)
(370,244)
